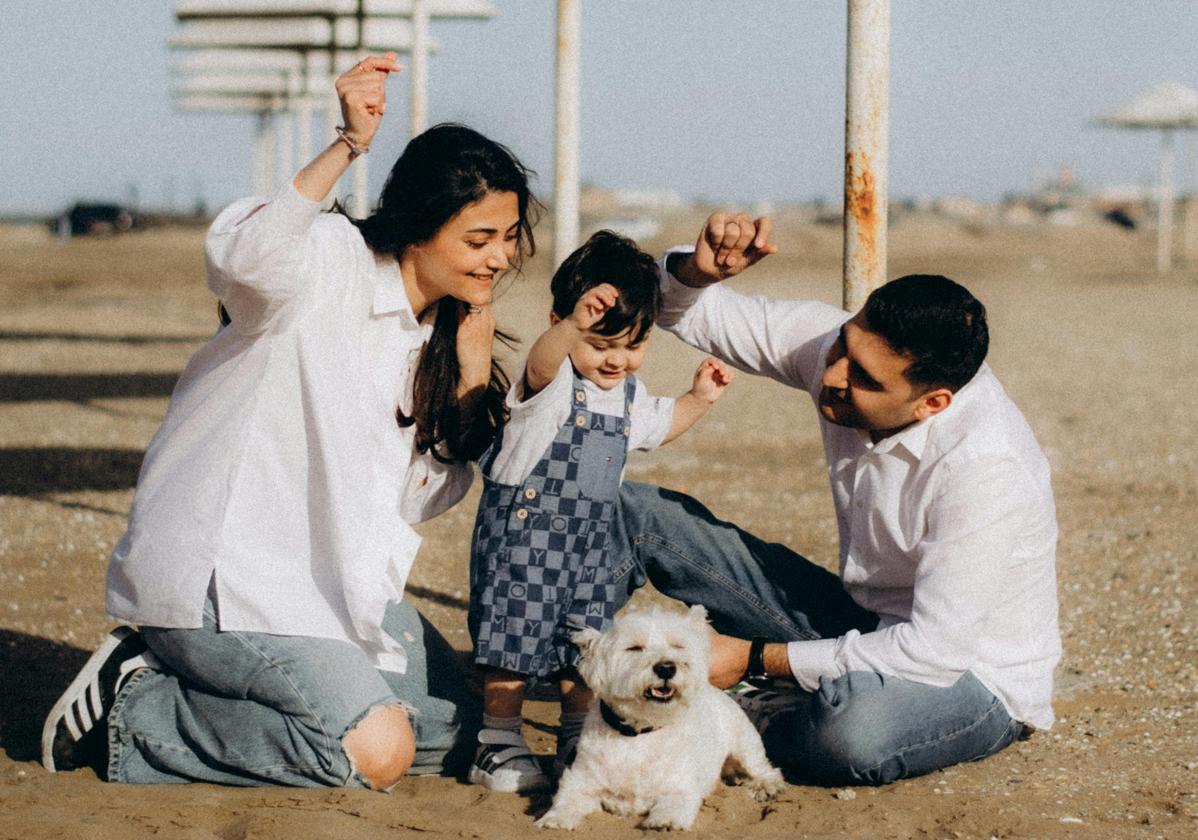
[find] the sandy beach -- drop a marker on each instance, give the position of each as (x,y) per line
(1098,352)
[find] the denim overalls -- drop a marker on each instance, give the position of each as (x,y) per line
(538,568)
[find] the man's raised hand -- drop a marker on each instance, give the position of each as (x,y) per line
(728,244)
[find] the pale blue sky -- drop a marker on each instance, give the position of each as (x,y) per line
(728,101)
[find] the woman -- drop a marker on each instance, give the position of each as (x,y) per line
(269,539)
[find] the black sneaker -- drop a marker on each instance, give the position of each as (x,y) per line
(75,734)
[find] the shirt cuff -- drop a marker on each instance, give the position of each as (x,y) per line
(811,660)
(677,297)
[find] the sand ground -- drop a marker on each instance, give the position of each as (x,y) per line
(1098,352)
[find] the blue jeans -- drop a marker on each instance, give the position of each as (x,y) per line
(860,728)
(239,708)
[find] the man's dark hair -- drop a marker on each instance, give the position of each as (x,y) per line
(608,257)
(935,323)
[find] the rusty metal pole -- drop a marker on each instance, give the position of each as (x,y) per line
(418,81)
(566,128)
(866,149)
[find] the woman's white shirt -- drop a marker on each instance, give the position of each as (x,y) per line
(280,467)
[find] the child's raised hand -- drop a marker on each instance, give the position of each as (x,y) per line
(593,305)
(712,377)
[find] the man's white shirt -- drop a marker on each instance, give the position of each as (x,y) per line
(947,528)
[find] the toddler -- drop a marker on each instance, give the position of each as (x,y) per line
(539,558)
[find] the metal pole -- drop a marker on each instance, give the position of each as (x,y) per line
(359,200)
(264,154)
(566,129)
(302,94)
(418,83)
(866,149)
(1189,236)
(1164,220)
(285,128)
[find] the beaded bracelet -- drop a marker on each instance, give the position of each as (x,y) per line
(355,147)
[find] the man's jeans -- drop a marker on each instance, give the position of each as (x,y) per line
(861,728)
(241,708)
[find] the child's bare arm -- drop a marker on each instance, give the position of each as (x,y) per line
(711,379)
(551,349)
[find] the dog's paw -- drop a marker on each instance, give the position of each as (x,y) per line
(556,819)
(767,787)
(667,819)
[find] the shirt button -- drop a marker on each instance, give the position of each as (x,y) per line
(860,504)
(580,395)
(522,514)
(580,421)
(530,493)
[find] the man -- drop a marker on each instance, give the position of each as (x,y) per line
(937,643)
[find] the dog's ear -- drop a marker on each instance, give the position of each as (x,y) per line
(584,638)
(697,615)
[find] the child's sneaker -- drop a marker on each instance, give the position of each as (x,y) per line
(71,737)
(761,705)
(505,764)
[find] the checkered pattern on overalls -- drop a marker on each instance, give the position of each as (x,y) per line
(538,565)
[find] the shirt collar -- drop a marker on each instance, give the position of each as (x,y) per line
(390,296)
(913,439)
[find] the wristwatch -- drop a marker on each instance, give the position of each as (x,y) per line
(755,671)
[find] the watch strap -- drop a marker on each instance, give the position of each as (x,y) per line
(756,667)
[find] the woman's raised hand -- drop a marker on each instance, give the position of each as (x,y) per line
(363,93)
(476,336)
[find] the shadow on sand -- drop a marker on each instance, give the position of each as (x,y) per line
(80,387)
(9,335)
(36,671)
(38,470)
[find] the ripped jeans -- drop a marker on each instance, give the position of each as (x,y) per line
(240,708)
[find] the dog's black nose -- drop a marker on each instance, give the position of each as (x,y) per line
(665,669)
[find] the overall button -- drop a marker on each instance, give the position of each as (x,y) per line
(626,431)
(580,395)
(580,421)
(530,493)
(522,514)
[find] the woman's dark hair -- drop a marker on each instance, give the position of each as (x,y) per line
(934,322)
(608,257)
(441,171)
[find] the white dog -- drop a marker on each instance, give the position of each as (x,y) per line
(660,735)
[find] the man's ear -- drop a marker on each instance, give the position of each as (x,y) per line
(933,402)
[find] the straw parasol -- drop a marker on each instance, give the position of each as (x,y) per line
(1168,107)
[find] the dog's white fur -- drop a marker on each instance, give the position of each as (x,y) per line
(698,732)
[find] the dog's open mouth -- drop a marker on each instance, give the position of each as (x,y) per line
(663,693)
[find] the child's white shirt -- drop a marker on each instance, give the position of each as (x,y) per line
(535,420)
